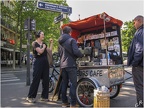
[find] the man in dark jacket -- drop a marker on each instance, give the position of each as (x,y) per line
(135,58)
(69,51)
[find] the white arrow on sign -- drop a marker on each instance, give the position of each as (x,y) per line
(40,4)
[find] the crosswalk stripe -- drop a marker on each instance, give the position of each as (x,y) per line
(7,75)
(21,83)
(8,78)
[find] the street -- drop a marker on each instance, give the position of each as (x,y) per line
(14,92)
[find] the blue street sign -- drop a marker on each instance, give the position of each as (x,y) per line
(54,7)
(59,18)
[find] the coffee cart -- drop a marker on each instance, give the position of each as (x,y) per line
(99,39)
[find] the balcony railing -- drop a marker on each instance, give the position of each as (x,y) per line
(9,26)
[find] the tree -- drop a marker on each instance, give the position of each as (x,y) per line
(44,19)
(127,35)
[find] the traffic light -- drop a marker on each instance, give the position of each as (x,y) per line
(32,25)
(26,25)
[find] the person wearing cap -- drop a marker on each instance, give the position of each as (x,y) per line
(135,58)
(69,52)
(40,68)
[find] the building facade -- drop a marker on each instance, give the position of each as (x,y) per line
(10,56)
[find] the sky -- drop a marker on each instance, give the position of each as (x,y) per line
(124,10)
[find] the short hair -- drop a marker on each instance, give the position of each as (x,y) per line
(67,29)
(139,17)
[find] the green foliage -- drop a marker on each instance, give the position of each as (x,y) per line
(44,19)
(127,35)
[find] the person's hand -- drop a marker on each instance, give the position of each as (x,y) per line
(51,40)
(44,46)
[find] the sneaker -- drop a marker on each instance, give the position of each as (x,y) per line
(64,105)
(31,100)
(45,100)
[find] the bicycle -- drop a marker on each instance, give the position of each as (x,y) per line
(53,78)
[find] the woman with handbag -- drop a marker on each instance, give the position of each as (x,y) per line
(40,68)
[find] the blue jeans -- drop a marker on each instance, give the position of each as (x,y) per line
(69,74)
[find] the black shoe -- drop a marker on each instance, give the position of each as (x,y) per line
(45,100)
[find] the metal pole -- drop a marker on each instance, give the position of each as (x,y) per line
(14,58)
(28,54)
(21,37)
(105,40)
(61,23)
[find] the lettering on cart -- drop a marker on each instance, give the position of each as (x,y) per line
(91,73)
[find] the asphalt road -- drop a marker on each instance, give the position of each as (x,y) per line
(14,92)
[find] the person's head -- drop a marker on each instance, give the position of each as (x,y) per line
(67,30)
(39,34)
(138,21)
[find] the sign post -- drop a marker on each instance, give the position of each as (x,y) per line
(29,25)
(28,55)
(54,7)
(59,18)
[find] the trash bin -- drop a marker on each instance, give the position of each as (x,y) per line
(101,98)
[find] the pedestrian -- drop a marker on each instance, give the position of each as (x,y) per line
(25,59)
(40,68)
(135,58)
(69,51)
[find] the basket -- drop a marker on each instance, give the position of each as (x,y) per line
(102,99)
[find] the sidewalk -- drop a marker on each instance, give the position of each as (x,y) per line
(14,96)
(17,68)
(128,68)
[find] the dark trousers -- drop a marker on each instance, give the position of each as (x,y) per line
(138,83)
(69,74)
(40,72)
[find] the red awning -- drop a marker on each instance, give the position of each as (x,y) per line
(91,23)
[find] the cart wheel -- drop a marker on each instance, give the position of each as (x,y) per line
(85,92)
(114,91)
(51,85)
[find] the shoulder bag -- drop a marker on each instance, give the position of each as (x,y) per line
(49,56)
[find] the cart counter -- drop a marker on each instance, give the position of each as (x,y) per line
(105,75)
